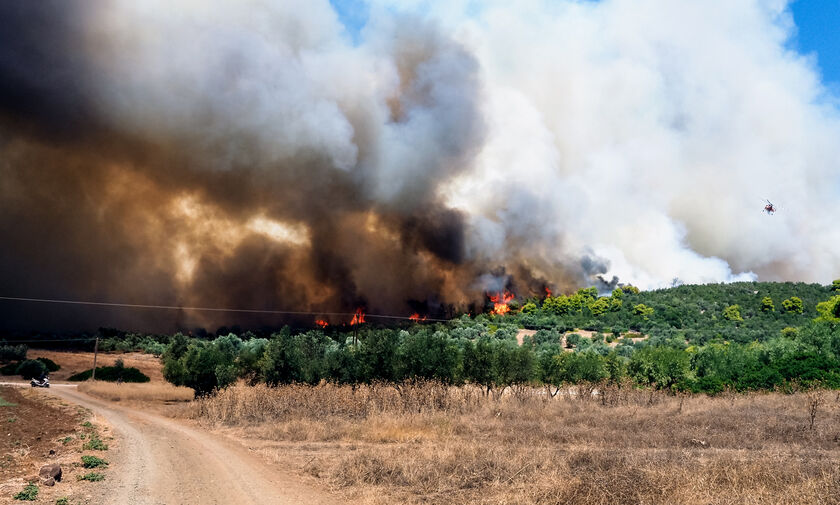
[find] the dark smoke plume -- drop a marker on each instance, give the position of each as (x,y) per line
(229,186)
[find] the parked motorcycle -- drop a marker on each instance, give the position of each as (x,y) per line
(40,383)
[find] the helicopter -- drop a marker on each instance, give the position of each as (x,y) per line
(770,209)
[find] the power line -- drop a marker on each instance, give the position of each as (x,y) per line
(9,342)
(206,309)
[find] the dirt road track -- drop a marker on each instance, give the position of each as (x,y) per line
(161,461)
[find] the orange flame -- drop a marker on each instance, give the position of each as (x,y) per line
(500,303)
(547,292)
(416,317)
(358,317)
(321,323)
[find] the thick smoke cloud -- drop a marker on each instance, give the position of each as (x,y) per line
(250,154)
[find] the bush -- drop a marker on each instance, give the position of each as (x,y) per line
(664,367)
(10,369)
(112,374)
(29,493)
(51,365)
(95,444)
(91,477)
(10,352)
(733,313)
(529,308)
(31,368)
(93,462)
(793,304)
(767,304)
(710,385)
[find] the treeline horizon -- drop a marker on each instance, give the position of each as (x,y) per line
(669,306)
(703,338)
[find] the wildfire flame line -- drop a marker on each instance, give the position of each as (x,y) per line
(500,303)
(358,317)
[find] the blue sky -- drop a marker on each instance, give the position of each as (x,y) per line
(818,22)
(819,32)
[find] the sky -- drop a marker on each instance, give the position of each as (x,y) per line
(817,22)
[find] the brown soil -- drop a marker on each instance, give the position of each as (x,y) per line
(45,431)
(522,333)
(74,362)
(30,429)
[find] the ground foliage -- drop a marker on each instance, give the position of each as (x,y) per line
(708,338)
(705,338)
(117,373)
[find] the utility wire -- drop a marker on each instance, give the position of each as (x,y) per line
(11,342)
(208,309)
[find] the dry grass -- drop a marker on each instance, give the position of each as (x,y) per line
(431,444)
(159,392)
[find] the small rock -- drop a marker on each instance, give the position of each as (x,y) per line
(48,481)
(52,452)
(50,471)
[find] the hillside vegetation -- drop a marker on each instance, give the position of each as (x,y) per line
(703,338)
(743,336)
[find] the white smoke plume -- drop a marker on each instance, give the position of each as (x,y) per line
(650,132)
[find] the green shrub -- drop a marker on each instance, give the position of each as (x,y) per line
(29,493)
(10,369)
(664,367)
(93,462)
(710,385)
(31,368)
(112,374)
(529,308)
(51,365)
(95,444)
(793,304)
(63,501)
(733,313)
(767,304)
(91,477)
(9,352)
(643,310)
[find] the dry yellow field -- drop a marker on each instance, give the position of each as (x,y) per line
(154,392)
(432,444)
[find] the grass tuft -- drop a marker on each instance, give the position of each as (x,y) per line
(91,477)
(95,443)
(93,462)
(29,493)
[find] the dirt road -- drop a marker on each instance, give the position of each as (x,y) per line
(160,461)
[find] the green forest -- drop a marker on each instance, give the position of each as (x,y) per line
(700,338)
